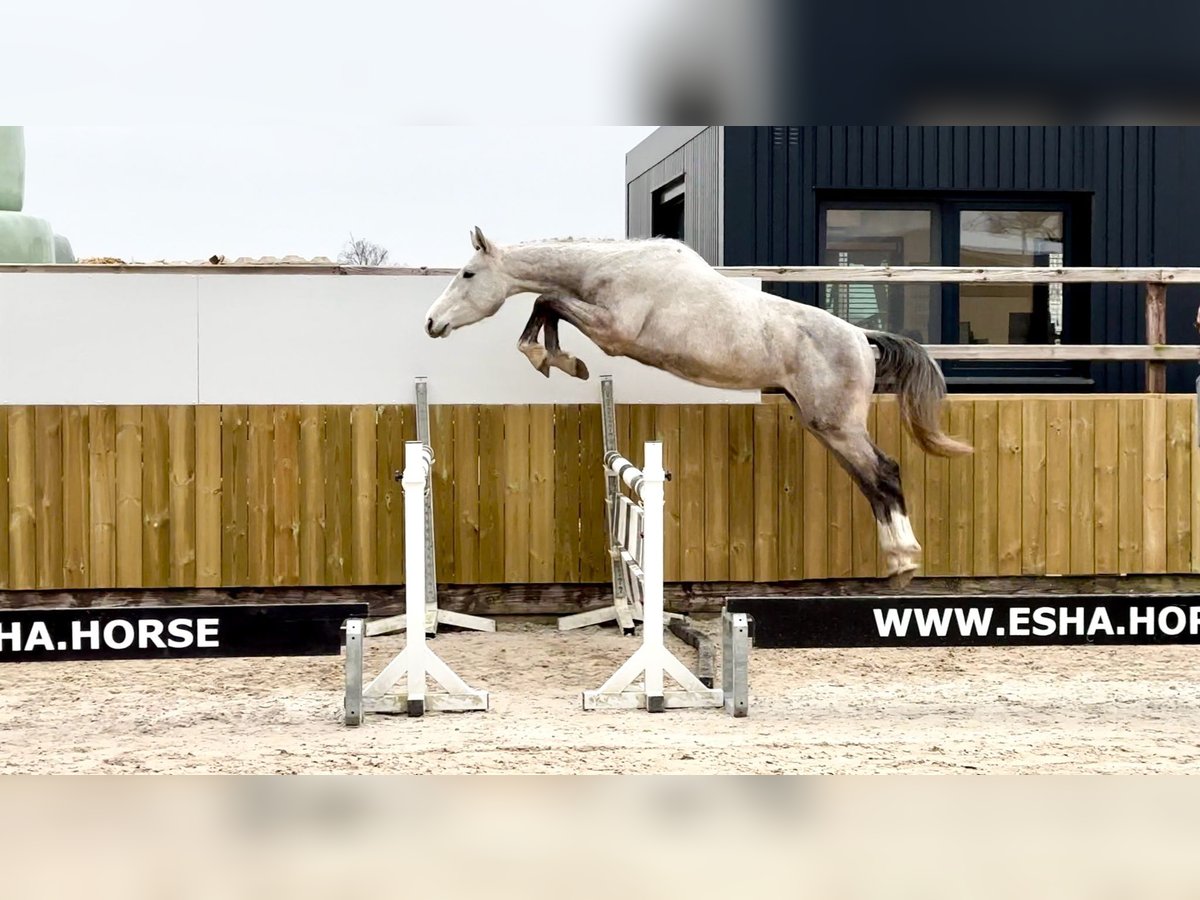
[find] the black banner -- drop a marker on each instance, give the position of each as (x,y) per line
(971,620)
(174,632)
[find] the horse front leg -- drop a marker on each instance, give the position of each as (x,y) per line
(528,342)
(542,357)
(572,365)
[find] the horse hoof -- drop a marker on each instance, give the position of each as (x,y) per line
(581,371)
(538,358)
(902,577)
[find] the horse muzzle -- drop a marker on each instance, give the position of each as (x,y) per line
(436,332)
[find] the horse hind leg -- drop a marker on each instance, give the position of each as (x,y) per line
(878,477)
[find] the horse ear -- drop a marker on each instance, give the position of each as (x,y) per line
(479,242)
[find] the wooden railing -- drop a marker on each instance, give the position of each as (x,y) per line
(1155,352)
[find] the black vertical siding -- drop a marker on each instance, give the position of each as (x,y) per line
(698,161)
(1135,189)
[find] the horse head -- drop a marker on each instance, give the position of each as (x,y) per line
(477,291)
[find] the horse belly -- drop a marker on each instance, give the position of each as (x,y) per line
(710,366)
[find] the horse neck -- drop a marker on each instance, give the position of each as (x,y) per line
(549,267)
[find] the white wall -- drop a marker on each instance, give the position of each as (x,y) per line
(76,338)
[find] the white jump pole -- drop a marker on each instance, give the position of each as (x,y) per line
(416,661)
(652,660)
(432,615)
(418,464)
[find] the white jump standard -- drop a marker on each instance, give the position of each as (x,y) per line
(434,615)
(652,660)
(625,529)
(416,660)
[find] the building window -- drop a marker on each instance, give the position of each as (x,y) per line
(884,237)
(666,211)
(966,230)
(1010,313)
(950,233)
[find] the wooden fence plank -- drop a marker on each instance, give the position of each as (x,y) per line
(1107,495)
(741,493)
(441,429)
(102,496)
(235,509)
(865,550)
(912,479)
(76,504)
(839,498)
(641,428)
(339,496)
(1154,486)
(567,480)
(312,495)
(1033,488)
(691,492)
(260,476)
(716,492)
(595,565)
(1058,486)
(516,494)
(766,491)
(1083,489)
(815,507)
(466,494)
(22,488)
(889,439)
(181,452)
(156,498)
(1008,498)
(129,496)
(937,511)
(1195,493)
(208,496)
(1129,484)
(960,491)
(4,507)
(541,493)
(791,494)
(389,518)
(21,491)
(491,494)
(49,497)
(285,561)
(1180,416)
(987,517)
(666,426)
(362,486)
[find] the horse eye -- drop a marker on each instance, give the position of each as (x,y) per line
(468,274)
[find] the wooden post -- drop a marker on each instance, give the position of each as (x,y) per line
(1156,334)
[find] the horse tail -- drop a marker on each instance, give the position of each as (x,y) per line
(907,369)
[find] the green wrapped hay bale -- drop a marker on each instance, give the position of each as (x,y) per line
(62,250)
(12,167)
(25,239)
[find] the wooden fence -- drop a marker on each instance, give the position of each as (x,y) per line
(152,496)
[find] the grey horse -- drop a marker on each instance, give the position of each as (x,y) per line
(658,302)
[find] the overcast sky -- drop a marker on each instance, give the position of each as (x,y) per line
(184,192)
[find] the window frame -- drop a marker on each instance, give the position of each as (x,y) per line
(671,192)
(946,209)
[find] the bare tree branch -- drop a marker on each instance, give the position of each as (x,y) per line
(359,252)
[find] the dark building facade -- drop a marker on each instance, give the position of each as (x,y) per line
(945,195)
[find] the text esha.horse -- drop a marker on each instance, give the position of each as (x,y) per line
(659,302)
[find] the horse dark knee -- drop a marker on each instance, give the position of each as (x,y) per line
(887,484)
